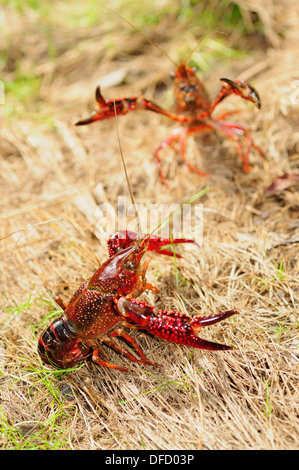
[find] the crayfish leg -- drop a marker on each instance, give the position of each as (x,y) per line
(152,288)
(120,349)
(173,137)
(119,332)
(100,362)
(191,167)
(234,132)
(179,135)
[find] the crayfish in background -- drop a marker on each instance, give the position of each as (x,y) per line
(194,111)
(107,302)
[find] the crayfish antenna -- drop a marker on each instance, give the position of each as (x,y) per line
(139,232)
(143,35)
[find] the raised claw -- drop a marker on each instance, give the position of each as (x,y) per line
(243,89)
(108,109)
(125,238)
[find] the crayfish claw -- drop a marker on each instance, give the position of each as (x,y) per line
(171,326)
(158,245)
(94,116)
(99,97)
(231,83)
(100,362)
(243,89)
(152,288)
(198,322)
(125,238)
(211,346)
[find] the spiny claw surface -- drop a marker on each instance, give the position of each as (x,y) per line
(172,326)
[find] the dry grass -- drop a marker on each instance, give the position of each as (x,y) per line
(53,176)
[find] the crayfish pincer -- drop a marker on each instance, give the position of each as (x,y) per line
(107,302)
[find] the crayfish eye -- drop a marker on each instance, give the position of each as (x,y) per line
(130,263)
(130,266)
(172,75)
(194,69)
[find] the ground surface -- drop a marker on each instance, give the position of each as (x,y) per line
(54,175)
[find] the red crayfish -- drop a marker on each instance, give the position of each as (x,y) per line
(193,110)
(107,302)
